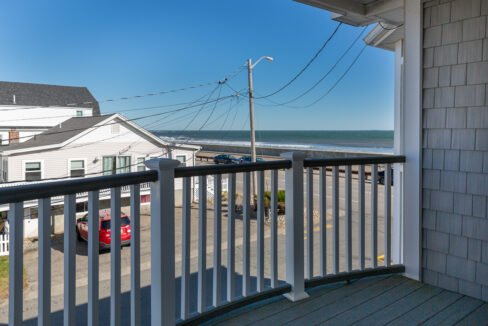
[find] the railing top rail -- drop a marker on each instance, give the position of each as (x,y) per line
(72,186)
(201,170)
(353,161)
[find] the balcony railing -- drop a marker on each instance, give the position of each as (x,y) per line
(348,250)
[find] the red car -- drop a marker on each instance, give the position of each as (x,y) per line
(104,229)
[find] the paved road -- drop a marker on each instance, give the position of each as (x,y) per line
(30,257)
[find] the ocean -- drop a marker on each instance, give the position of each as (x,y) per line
(345,140)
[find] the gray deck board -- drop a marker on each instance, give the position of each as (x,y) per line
(325,312)
(392,300)
(369,307)
(427,309)
(454,312)
(304,307)
(477,317)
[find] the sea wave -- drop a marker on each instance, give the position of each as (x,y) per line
(314,147)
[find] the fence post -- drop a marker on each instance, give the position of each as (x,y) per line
(163,242)
(294,205)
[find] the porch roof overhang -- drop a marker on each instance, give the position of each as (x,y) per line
(362,12)
(387,14)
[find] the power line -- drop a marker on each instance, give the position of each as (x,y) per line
(328,72)
(338,80)
(307,65)
(211,112)
(133,119)
(389,28)
(202,107)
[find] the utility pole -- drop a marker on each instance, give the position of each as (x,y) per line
(250,66)
(253,131)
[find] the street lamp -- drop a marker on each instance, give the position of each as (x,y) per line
(250,67)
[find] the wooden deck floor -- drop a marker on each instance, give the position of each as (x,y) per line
(393,300)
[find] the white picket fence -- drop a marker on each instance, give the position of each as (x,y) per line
(4,241)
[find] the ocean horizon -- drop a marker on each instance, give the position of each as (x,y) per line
(351,140)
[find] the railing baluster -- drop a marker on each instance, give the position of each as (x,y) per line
(231,235)
(335,212)
(135,255)
(217,246)
(202,243)
(323,220)
(348,219)
(16,256)
(361,217)
(69,259)
(44,254)
(115,265)
(387,225)
(93,252)
(260,231)
(185,249)
(309,261)
(374,215)
(246,235)
(274,228)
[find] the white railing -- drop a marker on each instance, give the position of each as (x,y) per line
(231,282)
(4,241)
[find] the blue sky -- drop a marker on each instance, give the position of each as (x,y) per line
(123,48)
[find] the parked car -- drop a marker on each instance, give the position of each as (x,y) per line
(225,159)
(248,159)
(381,177)
(104,235)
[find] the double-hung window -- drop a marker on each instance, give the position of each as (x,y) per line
(33,171)
(140,164)
(182,159)
(116,164)
(77,168)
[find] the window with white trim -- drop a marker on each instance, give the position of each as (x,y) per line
(116,164)
(140,166)
(79,113)
(33,171)
(182,159)
(77,168)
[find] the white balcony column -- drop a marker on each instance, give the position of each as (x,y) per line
(163,242)
(294,246)
(412,138)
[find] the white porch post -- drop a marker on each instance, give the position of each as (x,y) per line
(163,242)
(412,140)
(397,221)
(294,245)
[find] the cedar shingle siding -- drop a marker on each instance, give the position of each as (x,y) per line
(455,146)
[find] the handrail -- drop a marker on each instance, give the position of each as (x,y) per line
(72,186)
(318,162)
(200,170)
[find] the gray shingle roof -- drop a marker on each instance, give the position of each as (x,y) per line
(58,134)
(47,95)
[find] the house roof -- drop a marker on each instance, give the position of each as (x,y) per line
(29,94)
(58,134)
(70,129)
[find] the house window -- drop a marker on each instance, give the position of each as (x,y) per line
(123,164)
(140,164)
(79,113)
(116,164)
(115,129)
(77,168)
(33,171)
(182,159)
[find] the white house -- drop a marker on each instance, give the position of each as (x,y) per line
(85,146)
(28,109)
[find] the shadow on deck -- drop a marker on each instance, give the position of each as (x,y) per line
(379,300)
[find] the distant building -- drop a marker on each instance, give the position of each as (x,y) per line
(28,109)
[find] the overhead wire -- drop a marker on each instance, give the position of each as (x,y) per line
(315,56)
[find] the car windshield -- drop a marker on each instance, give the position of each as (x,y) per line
(123,222)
